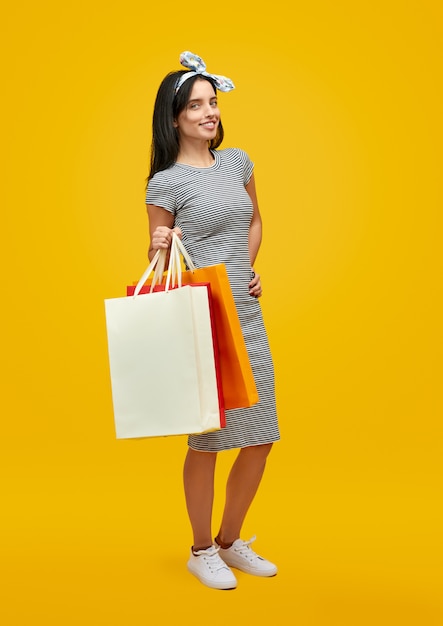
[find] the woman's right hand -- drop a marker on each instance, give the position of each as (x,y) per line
(162,237)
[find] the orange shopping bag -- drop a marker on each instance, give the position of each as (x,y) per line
(239,389)
(238,384)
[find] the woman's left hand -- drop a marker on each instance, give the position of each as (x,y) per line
(255,289)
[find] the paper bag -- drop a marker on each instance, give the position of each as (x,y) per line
(163,364)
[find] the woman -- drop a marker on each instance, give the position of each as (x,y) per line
(207,196)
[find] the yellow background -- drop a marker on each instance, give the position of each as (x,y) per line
(339,105)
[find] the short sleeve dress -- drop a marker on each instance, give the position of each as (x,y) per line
(214,210)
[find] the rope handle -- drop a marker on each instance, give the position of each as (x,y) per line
(157,265)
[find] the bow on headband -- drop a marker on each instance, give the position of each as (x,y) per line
(198,66)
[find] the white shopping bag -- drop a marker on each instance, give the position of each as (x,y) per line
(163,362)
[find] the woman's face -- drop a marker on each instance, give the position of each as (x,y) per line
(199,120)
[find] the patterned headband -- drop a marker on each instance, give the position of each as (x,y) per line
(198,66)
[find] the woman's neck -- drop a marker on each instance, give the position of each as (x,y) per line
(196,157)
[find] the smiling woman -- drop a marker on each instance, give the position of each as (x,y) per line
(207,196)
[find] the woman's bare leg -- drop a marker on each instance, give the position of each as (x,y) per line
(242,485)
(198,476)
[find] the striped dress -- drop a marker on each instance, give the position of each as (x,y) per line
(214,210)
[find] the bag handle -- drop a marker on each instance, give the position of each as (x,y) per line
(174,276)
(174,270)
(146,273)
(159,269)
(178,242)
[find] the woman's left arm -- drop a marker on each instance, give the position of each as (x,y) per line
(255,228)
(255,236)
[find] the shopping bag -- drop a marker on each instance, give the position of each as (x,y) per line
(237,379)
(163,366)
(239,388)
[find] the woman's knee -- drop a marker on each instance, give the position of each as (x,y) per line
(261,451)
(200,458)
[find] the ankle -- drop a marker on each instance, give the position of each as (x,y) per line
(223,544)
(198,548)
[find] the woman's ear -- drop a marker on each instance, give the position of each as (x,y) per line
(175,123)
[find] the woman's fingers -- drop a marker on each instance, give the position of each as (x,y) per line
(255,288)
(161,237)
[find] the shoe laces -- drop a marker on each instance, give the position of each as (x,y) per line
(212,558)
(244,549)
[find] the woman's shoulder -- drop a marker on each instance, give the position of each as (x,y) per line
(234,155)
(164,179)
(161,176)
(231,152)
(160,188)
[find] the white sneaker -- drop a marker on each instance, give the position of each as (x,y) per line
(241,556)
(208,567)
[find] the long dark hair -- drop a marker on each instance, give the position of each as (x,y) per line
(168,105)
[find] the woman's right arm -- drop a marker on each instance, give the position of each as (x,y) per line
(161,224)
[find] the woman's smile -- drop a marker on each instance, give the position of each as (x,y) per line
(210,125)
